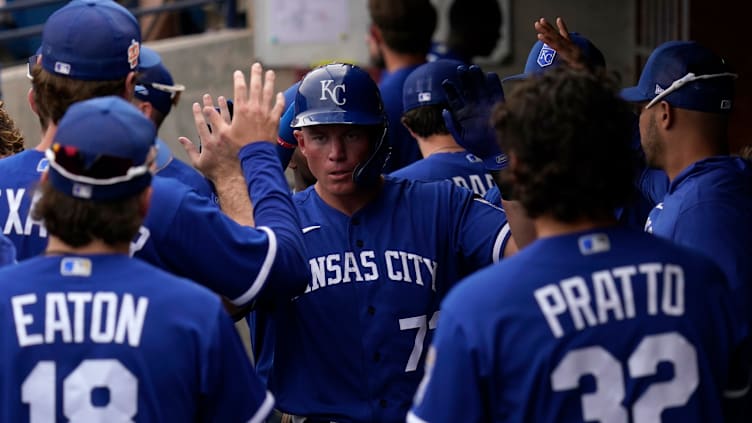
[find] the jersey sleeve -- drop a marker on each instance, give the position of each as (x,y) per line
(276,215)
(230,389)
(188,235)
(482,231)
(451,390)
(493,196)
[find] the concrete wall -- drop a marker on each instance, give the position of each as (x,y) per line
(203,63)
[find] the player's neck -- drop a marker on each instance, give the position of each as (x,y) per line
(437,144)
(349,204)
(47,137)
(57,246)
(395,61)
(547,226)
(691,151)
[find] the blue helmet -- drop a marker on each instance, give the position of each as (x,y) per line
(344,94)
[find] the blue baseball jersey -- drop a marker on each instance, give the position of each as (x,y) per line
(708,208)
(186,233)
(351,348)
(462,168)
(7,251)
(105,338)
(603,325)
(404,147)
(19,176)
(170,167)
(493,196)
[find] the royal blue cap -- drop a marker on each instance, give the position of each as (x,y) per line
(543,57)
(155,84)
(710,88)
(423,86)
(285,136)
(94,40)
(106,135)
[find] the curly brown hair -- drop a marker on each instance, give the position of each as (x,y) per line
(568,134)
(11,140)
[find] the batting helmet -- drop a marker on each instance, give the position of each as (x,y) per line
(344,94)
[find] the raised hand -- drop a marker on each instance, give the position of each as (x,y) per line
(468,118)
(559,40)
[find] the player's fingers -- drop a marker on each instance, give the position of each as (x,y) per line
(474,82)
(563,31)
(268,90)
(200,122)
(494,88)
(279,107)
(207,100)
(452,94)
(254,95)
(240,91)
(224,109)
(190,150)
(214,118)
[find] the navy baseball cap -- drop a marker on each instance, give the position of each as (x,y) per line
(154,83)
(100,150)
(543,57)
(686,75)
(93,40)
(423,86)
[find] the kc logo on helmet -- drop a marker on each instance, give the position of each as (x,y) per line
(333,92)
(546,56)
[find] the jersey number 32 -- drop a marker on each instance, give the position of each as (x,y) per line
(605,404)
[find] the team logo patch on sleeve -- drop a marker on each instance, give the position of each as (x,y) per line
(75,266)
(594,244)
(43,165)
(134,50)
(546,56)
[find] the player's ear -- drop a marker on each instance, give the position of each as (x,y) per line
(665,117)
(30,99)
(145,107)
(144,201)
(374,34)
(412,134)
(300,139)
(130,86)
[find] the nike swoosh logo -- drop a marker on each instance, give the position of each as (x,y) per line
(310,228)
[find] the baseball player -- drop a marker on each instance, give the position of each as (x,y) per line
(382,253)
(184,232)
(423,102)
(399,40)
(155,94)
(686,93)
(87,335)
(593,321)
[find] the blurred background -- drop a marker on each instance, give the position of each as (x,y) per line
(203,41)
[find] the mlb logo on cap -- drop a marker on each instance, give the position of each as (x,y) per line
(63,68)
(423,86)
(546,56)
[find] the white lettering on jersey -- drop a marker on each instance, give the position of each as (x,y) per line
(333,93)
(112,318)
(401,266)
(475,183)
(610,296)
(17,224)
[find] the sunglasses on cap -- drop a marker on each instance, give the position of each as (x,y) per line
(173,90)
(684,80)
(30,62)
(103,170)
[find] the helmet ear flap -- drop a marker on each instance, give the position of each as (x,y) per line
(368,172)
